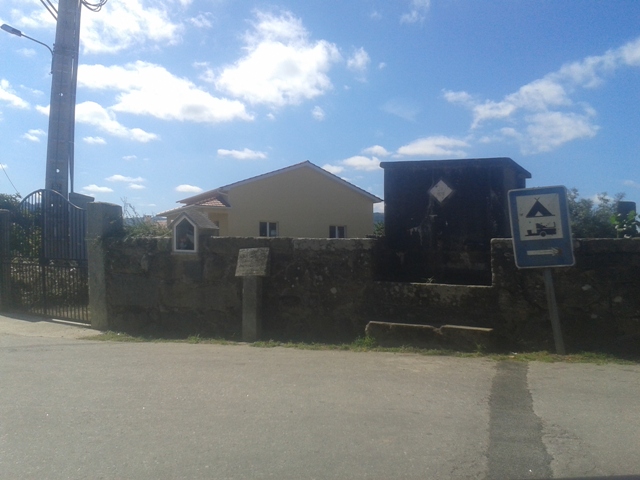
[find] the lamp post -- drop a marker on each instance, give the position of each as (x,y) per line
(18,33)
(62,112)
(62,107)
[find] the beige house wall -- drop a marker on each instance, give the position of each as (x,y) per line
(219,217)
(303,202)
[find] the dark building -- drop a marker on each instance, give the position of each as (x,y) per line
(440,217)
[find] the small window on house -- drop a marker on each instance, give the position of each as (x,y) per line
(185,236)
(337,231)
(268,229)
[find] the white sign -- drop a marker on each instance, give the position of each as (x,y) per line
(539,216)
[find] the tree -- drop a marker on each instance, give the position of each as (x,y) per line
(594,218)
(10,201)
(136,225)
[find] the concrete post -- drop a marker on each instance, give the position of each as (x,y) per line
(5,266)
(253,264)
(103,220)
(251,308)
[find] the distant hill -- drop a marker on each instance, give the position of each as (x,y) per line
(378,217)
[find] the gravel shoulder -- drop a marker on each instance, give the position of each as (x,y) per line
(30,326)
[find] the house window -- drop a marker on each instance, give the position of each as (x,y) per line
(337,231)
(268,229)
(185,236)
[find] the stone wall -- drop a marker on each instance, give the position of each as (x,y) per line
(328,290)
(598,298)
(316,289)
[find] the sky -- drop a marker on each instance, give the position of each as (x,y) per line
(176,97)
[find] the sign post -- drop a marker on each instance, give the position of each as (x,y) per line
(542,239)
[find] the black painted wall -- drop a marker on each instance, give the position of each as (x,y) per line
(444,236)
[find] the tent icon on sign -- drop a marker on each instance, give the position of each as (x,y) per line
(539,210)
(542,229)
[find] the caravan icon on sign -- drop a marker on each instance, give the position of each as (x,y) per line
(540,227)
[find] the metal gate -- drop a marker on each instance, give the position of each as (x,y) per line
(48,258)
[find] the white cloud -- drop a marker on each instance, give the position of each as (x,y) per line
(137,186)
(122,178)
(402,108)
(360,162)
(245,154)
(129,158)
(203,20)
(318,113)
(359,60)
(282,65)
(630,53)
(542,114)
(188,189)
(93,114)
(378,207)
(34,135)
(376,150)
(96,189)
(37,18)
(463,98)
(435,146)
(141,84)
(549,130)
(418,11)
(94,140)
(7,95)
(335,169)
(492,110)
(27,52)
(121,25)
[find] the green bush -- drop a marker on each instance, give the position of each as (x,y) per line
(593,218)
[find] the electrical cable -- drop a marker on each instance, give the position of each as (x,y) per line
(5,172)
(94,7)
(52,10)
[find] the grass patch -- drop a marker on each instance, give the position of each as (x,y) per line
(369,344)
(580,357)
(110,336)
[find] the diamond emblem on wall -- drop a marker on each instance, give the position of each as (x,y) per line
(441,191)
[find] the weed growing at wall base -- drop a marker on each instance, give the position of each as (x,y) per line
(368,344)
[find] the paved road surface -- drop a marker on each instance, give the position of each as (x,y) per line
(77,409)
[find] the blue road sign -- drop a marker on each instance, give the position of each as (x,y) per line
(540,227)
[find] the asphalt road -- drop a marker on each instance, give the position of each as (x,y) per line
(78,409)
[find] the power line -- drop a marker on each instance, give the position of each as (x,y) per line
(94,7)
(49,6)
(5,172)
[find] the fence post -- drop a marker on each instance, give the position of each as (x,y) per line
(103,220)
(5,260)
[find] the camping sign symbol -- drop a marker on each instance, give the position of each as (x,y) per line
(538,216)
(540,227)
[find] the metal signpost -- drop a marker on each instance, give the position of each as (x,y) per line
(542,239)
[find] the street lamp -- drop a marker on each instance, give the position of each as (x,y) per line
(18,33)
(64,74)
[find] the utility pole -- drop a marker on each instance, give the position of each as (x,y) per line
(62,108)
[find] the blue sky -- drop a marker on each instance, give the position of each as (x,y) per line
(180,96)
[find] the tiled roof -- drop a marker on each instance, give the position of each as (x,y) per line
(196,199)
(216,201)
(212,201)
(201,220)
